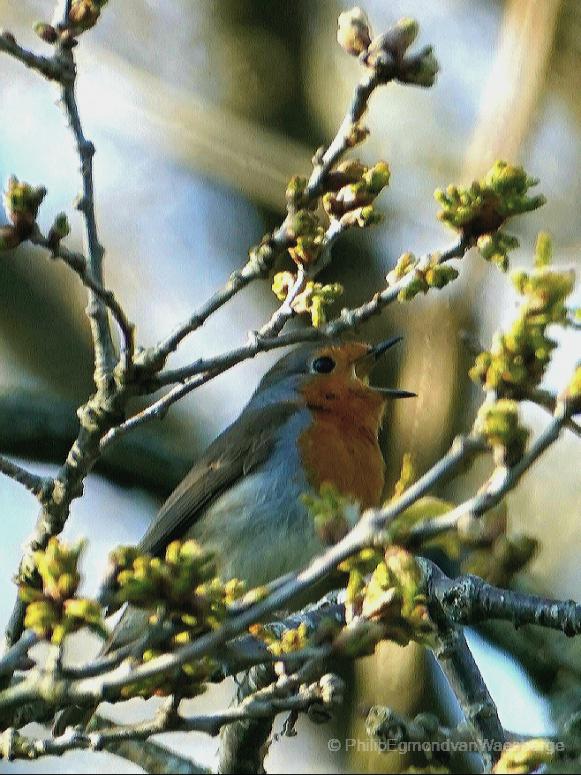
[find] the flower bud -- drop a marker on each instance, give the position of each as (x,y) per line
(46,32)
(353,33)
(357,134)
(41,617)
(59,230)
(295,191)
(84,14)
(543,250)
(21,203)
(421,69)
(392,44)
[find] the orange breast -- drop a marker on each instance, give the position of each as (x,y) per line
(341,446)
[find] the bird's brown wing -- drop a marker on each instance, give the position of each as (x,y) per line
(236,452)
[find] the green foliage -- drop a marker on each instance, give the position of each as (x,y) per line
(498,422)
(425,275)
(395,597)
(406,477)
(332,512)
(518,358)
(478,211)
(392,597)
(307,236)
(21,204)
(365,184)
(53,610)
(185,598)
(183,582)
(60,229)
(528,756)
(496,247)
(291,640)
(314,300)
(574,386)
(485,205)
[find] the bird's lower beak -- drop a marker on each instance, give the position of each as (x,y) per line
(364,367)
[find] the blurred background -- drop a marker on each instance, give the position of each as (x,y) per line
(200,112)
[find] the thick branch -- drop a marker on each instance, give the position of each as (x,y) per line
(470,600)
(465,679)
(398,732)
(243,744)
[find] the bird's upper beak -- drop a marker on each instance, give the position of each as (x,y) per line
(364,366)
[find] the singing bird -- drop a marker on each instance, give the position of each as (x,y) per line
(314,418)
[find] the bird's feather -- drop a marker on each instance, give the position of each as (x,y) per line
(241,449)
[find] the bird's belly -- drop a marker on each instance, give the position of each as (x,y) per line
(259,528)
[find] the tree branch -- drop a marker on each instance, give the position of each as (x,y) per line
(48,67)
(263,256)
(287,693)
(78,263)
(38,485)
(105,358)
(470,600)
(205,369)
(502,481)
(465,679)
(41,426)
(243,744)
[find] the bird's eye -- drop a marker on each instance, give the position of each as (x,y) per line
(323,365)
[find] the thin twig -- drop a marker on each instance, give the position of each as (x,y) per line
(40,486)
(548,401)
(500,483)
(105,358)
(205,369)
(262,257)
(78,263)
(48,67)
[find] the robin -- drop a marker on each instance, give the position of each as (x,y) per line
(314,418)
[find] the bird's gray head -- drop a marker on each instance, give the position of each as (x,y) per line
(318,362)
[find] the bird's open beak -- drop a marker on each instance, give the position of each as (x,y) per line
(364,366)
